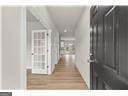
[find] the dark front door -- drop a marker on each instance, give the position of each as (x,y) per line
(109,42)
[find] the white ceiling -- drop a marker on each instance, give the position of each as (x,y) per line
(65,17)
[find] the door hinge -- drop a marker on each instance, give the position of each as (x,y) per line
(47,66)
(47,50)
(47,34)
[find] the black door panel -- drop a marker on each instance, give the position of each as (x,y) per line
(109,47)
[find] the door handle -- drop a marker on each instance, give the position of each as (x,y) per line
(93,60)
(89,61)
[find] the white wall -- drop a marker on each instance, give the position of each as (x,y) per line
(82,35)
(31,26)
(54,49)
(12,57)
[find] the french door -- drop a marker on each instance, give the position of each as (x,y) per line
(39,52)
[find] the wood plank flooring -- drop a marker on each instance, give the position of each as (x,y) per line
(65,76)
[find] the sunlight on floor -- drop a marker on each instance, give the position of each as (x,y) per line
(69,59)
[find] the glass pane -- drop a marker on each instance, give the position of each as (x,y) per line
(43,50)
(35,50)
(39,65)
(35,35)
(43,58)
(35,42)
(39,43)
(35,64)
(43,65)
(35,57)
(42,42)
(39,50)
(39,58)
(43,35)
(38,35)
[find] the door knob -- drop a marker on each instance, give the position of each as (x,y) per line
(89,61)
(93,60)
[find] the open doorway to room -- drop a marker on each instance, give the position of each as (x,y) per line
(67,49)
(51,62)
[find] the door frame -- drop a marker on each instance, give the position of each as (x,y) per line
(23,49)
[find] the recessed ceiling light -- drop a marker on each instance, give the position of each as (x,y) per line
(65,30)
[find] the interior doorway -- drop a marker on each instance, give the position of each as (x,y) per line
(51,54)
(67,46)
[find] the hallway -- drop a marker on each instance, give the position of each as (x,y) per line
(33,44)
(65,76)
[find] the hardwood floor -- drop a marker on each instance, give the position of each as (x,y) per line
(65,76)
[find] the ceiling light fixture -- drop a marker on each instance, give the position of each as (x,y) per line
(65,30)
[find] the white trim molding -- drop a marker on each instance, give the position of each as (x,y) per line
(23,49)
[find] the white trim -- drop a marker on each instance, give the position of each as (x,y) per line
(0,48)
(49,52)
(23,49)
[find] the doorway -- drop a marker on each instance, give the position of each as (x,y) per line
(53,55)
